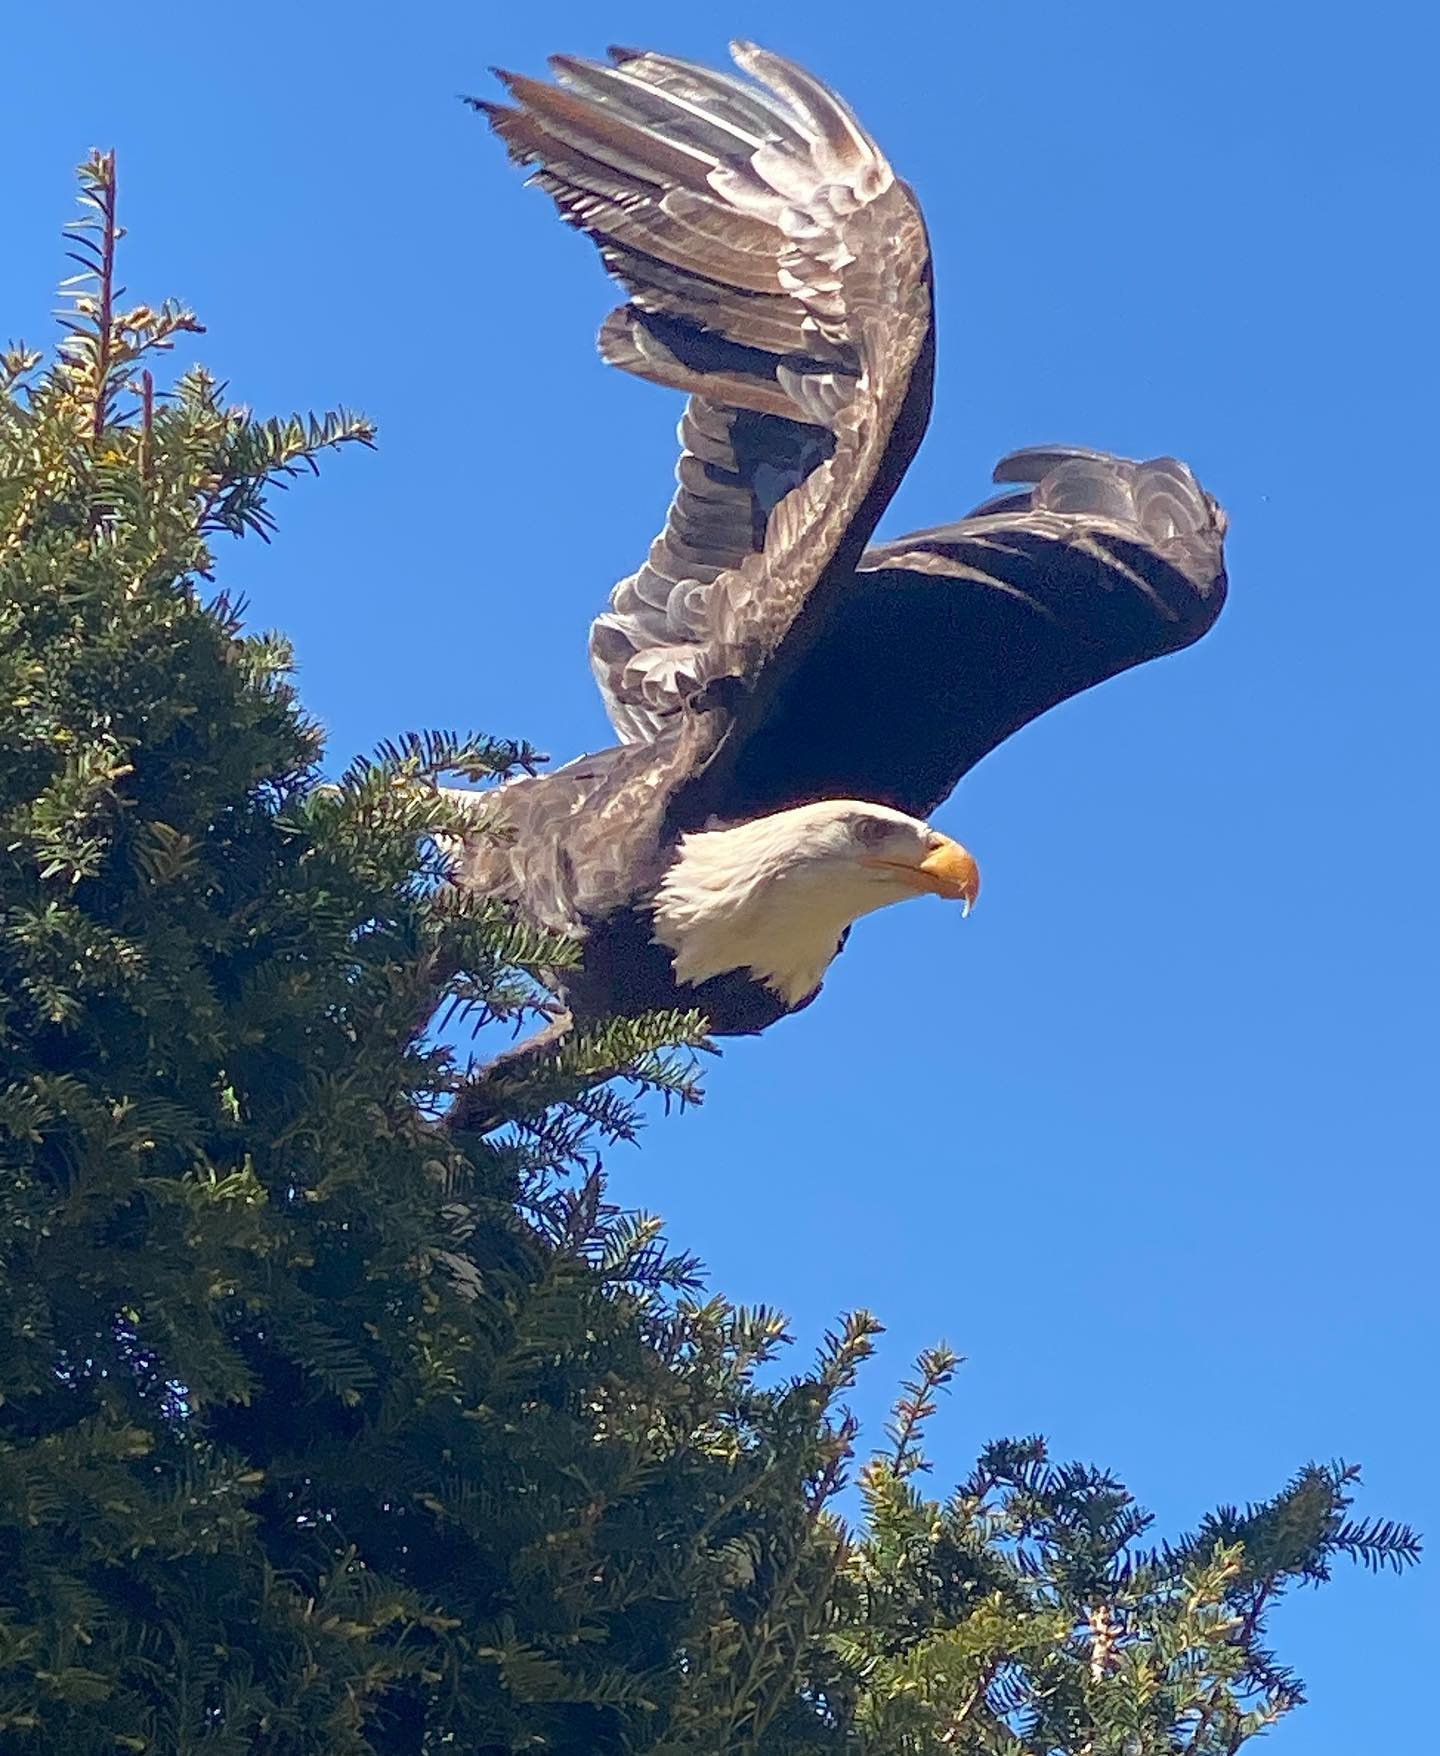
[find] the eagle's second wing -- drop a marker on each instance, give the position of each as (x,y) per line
(778,272)
(948,640)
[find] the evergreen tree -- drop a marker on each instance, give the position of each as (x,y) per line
(328,1425)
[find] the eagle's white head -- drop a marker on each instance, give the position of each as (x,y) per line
(774,896)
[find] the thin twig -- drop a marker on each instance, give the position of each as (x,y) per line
(106,319)
(970,1703)
(147,421)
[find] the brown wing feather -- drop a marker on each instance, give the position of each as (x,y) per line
(945,642)
(581,843)
(1090,503)
(779,273)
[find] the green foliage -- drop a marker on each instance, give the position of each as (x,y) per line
(1026,1615)
(328,1425)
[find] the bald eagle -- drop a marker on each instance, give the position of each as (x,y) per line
(791,704)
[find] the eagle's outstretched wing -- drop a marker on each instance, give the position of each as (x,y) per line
(948,640)
(777,271)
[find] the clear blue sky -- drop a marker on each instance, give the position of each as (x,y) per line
(1147,1137)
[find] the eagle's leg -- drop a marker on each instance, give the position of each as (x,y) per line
(478,1106)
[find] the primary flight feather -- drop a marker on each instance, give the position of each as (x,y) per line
(792,705)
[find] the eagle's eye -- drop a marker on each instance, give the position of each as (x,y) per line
(870,832)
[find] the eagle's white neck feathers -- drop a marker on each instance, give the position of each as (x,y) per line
(772,897)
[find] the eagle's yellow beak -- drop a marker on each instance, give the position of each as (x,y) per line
(950,871)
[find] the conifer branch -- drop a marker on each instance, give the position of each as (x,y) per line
(934,1370)
(102,191)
